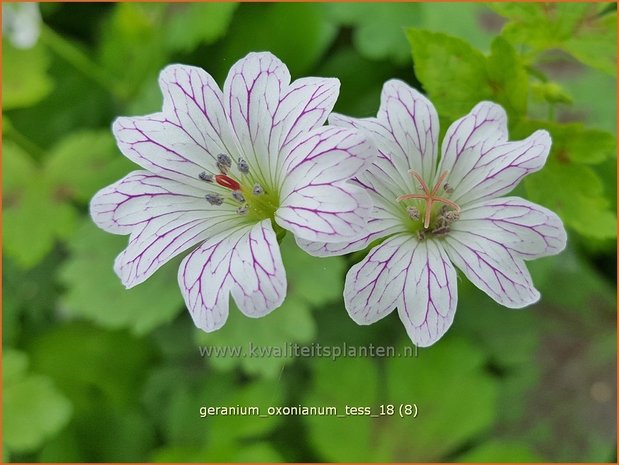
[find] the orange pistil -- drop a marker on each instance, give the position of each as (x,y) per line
(429,196)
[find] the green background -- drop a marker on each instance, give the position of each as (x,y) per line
(92,372)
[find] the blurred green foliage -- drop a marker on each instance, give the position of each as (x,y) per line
(94,372)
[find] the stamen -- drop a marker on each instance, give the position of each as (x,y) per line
(238,196)
(242,210)
(224,160)
(214,198)
(421,235)
(204,176)
(242,166)
(227,182)
(448,189)
(452,215)
(413,213)
(440,231)
(258,190)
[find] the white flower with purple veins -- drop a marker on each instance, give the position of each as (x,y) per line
(229,172)
(436,214)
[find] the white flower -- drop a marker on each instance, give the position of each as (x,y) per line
(230,171)
(436,214)
(21,23)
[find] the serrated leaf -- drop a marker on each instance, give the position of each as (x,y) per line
(191,24)
(443,421)
(584,30)
(25,80)
(33,410)
(104,300)
(457,77)
(84,162)
(576,194)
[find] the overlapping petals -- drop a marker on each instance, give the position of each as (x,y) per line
(276,127)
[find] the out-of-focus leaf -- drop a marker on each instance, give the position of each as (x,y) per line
(582,29)
(457,76)
(379,27)
(84,162)
(104,300)
(259,452)
(447,417)
(295,33)
(33,409)
(34,215)
(25,80)
(501,451)
(92,366)
(191,24)
(262,341)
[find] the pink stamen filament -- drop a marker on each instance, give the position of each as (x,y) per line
(429,196)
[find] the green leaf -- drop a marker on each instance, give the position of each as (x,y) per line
(104,300)
(379,27)
(291,323)
(33,410)
(191,24)
(84,162)
(295,33)
(457,77)
(34,214)
(450,411)
(25,80)
(576,194)
(498,451)
(581,29)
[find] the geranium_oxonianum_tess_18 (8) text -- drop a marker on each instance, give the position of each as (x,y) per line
(231,171)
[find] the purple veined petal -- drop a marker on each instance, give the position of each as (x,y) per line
(429,294)
(405,133)
(492,267)
(184,139)
(481,162)
(252,93)
(317,202)
(305,105)
(373,286)
(417,277)
(164,218)
(383,222)
(527,229)
(245,262)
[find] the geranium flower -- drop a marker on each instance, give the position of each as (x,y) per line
(231,171)
(436,214)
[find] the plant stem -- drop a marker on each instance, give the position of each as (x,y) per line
(78,59)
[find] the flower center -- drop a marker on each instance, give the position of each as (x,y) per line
(238,186)
(437,211)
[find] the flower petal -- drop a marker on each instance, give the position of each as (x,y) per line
(317,202)
(429,294)
(186,137)
(492,267)
(245,262)
(527,229)
(164,218)
(405,131)
(417,277)
(480,161)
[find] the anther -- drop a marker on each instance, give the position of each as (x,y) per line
(452,215)
(421,235)
(257,190)
(440,231)
(214,199)
(448,189)
(242,210)
(224,160)
(204,176)
(238,196)
(242,166)
(413,213)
